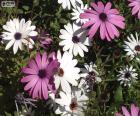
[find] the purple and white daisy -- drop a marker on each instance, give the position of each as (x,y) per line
(18,33)
(39,75)
(127,75)
(135,4)
(103,18)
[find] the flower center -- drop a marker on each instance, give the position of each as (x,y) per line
(127,75)
(103,17)
(137,48)
(60,72)
(92,73)
(73,105)
(75,39)
(50,59)
(42,73)
(17,36)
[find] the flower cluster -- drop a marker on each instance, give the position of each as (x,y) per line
(57,74)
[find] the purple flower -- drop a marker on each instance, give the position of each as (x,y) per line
(45,40)
(39,75)
(45,43)
(135,4)
(134,111)
(103,18)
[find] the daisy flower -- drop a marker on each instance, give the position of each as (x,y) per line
(68,73)
(77,11)
(134,111)
(74,39)
(127,75)
(68,3)
(135,4)
(39,75)
(71,104)
(90,76)
(18,33)
(132,46)
(103,18)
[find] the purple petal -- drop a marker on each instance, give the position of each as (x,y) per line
(118,114)
(44,60)
(125,111)
(38,60)
(93,29)
(29,71)
(44,90)
(31,84)
(28,78)
(52,68)
(36,89)
(33,65)
(134,110)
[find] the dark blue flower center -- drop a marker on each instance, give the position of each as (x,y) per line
(60,72)
(42,73)
(73,105)
(137,48)
(17,36)
(50,59)
(103,16)
(75,39)
(92,73)
(127,75)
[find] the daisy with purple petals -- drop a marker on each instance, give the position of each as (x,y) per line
(134,111)
(39,75)
(135,4)
(104,18)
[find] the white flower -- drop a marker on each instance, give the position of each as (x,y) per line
(127,75)
(18,33)
(67,73)
(74,39)
(77,11)
(90,77)
(71,104)
(68,3)
(132,46)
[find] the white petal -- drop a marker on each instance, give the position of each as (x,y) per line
(57,81)
(10,43)
(33,33)
(15,47)
(65,86)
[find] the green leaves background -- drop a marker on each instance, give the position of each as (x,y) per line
(108,96)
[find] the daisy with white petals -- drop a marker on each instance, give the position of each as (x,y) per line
(77,11)
(68,3)
(90,76)
(68,73)
(74,39)
(132,46)
(71,104)
(18,33)
(127,75)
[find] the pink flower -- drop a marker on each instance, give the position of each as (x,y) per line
(39,75)
(134,111)
(103,18)
(136,7)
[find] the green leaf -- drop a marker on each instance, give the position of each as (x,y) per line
(118,95)
(36,2)
(25,8)
(8,114)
